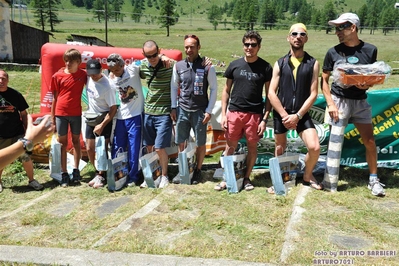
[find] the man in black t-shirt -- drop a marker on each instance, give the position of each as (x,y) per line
(349,105)
(13,122)
(243,94)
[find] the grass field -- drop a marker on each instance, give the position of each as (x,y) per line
(195,220)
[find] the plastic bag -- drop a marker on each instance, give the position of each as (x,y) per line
(101,154)
(152,170)
(347,75)
(55,158)
(187,162)
(234,169)
(118,169)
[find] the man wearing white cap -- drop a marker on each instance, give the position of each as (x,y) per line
(293,90)
(349,105)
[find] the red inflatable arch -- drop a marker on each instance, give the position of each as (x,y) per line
(52,60)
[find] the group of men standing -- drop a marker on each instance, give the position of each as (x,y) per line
(178,93)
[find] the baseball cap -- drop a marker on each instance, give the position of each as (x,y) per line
(298,25)
(93,67)
(346,17)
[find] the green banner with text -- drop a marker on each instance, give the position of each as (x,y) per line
(385,111)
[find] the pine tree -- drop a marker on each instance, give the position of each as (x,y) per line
(99,10)
(46,13)
(168,15)
(214,15)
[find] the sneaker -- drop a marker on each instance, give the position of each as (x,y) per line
(164,182)
(1,187)
(99,182)
(64,179)
(196,177)
(176,179)
(35,185)
(143,185)
(376,188)
(95,180)
(131,184)
(76,176)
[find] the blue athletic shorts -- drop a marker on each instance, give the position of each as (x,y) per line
(157,131)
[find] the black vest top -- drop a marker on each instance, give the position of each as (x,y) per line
(293,93)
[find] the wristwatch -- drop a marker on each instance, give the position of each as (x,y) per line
(28,144)
(299,116)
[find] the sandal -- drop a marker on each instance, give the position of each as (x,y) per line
(247,186)
(315,185)
(221,186)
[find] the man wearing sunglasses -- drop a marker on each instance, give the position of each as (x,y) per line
(246,79)
(125,80)
(293,90)
(195,107)
(349,105)
(157,106)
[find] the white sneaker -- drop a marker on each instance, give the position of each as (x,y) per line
(143,185)
(164,182)
(376,188)
(1,187)
(35,185)
(94,180)
(99,182)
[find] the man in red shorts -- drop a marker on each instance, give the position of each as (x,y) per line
(247,78)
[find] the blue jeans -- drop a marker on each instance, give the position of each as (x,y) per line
(127,136)
(187,120)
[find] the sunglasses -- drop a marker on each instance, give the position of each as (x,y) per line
(343,26)
(295,34)
(151,56)
(253,45)
(112,60)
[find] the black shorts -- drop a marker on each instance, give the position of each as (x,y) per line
(106,131)
(305,123)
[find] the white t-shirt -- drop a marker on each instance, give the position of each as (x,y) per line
(130,93)
(100,95)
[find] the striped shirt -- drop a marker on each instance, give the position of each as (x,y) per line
(158,101)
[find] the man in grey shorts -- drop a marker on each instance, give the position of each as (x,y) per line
(349,105)
(195,106)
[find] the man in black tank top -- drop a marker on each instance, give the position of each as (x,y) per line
(293,90)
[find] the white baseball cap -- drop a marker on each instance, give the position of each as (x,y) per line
(346,17)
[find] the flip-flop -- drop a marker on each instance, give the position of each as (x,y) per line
(247,186)
(313,184)
(221,186)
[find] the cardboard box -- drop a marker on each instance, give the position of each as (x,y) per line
(363,79)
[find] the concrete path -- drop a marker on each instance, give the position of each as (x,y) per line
(78,257)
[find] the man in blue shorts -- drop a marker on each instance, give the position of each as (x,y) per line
(157,106)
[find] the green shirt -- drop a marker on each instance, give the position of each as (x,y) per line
(158,101)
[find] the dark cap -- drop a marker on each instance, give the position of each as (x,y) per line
(93,67)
